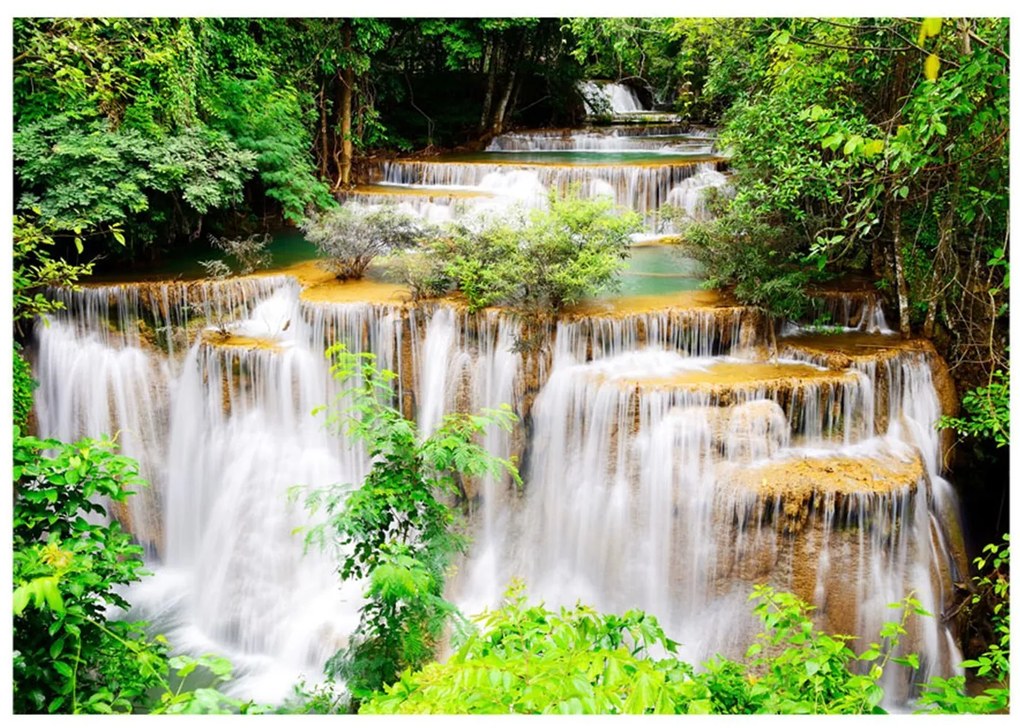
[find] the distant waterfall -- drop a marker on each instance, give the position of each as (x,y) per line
(616,98)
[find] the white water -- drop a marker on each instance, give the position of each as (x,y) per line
(615,98)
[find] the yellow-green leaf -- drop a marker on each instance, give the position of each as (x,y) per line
(873,147)
(931,67)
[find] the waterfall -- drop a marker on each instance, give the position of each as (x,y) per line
(670,461)
(613,97)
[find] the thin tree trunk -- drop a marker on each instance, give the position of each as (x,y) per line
(346,98)
(497,118)
(346,143)
(490,89)
(324,131)
(901,280)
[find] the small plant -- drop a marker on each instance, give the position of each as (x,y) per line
(215,269)
(351,237)
(250,253)
(986,411)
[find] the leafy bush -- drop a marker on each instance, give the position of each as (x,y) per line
(351,237)
(35,269)
(551,259)
(991,597)
(69,167)
(527,659)
(424,272)
(397,530)
(68,655)
(757,258)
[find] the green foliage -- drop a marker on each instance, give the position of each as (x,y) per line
(265,117)
(802,670)
(68,656)
(554,258)
(397,530)
(754,256)
(991,595)
(350,237)
(986,411)
(35,269)
(74,169)
(24,385)
(71,559)
(527,659)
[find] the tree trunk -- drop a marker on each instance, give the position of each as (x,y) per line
(324,138)
(901,280)
(346,99)
(346,143)
(497,117)
(490,89)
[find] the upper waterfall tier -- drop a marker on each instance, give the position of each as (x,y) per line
(643,185)
(665,139)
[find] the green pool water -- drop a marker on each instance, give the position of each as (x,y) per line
(658,269)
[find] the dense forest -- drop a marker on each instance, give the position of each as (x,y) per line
(868,147)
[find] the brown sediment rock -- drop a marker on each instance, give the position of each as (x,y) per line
(797,480)
(724,377)
(226,339)
(628,305)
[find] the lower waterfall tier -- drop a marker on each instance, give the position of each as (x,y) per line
(674,454)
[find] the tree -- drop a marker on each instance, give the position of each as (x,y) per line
(553,258)
(351,237)
(397,530)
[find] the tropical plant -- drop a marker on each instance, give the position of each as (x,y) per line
(397,530)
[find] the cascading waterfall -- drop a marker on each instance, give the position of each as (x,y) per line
(669,464)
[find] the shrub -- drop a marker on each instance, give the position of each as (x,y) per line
(756,257)
(398,529)
(250,254)
(554,258)
(351,237)
(68,655)
(527,659)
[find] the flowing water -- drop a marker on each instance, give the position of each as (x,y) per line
(673,453)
